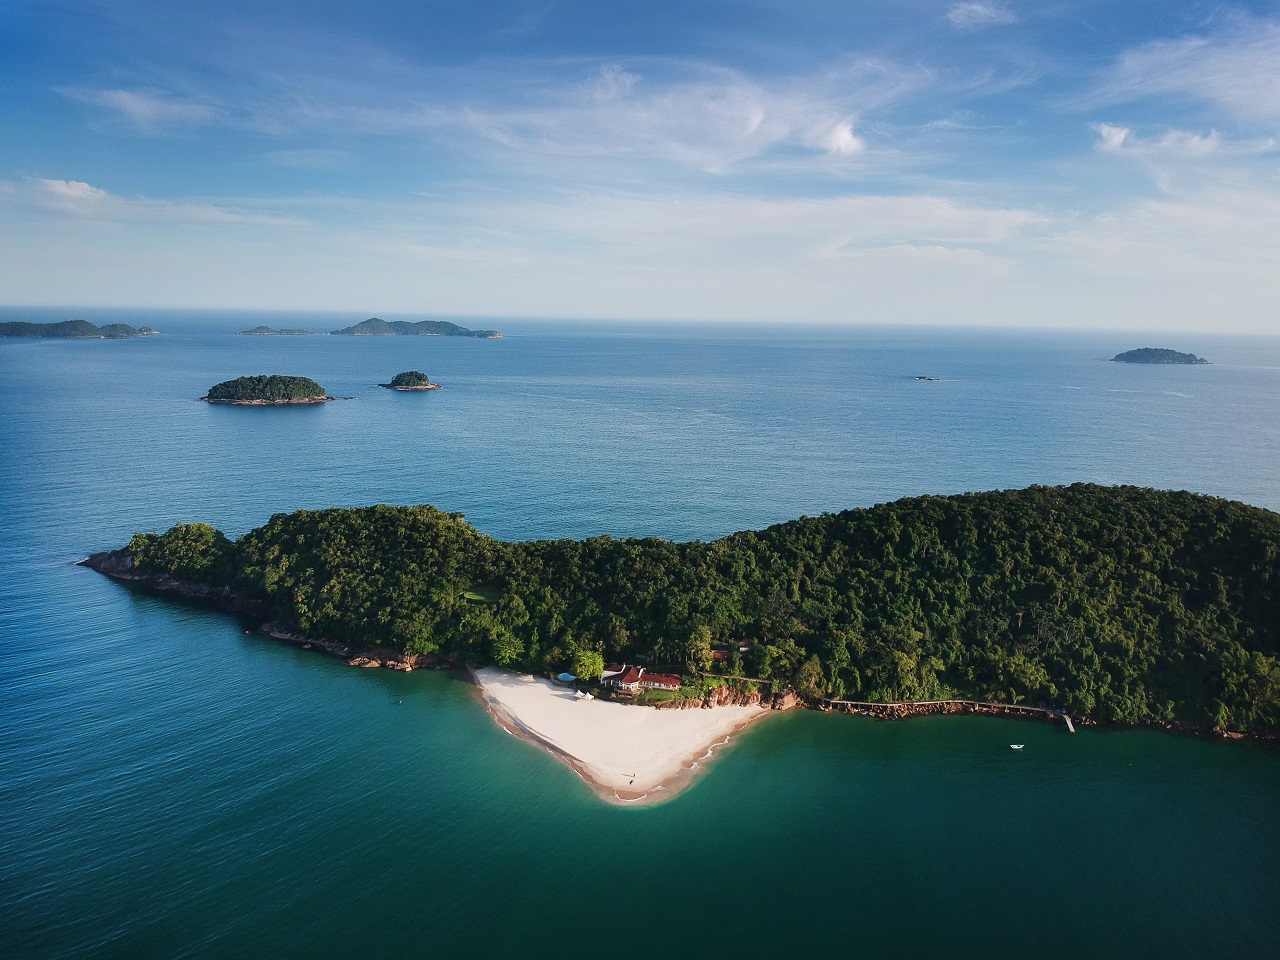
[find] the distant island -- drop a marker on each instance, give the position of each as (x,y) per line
(410,380)
(267,391)
(265,331)
(377,327)
(1156,355)
(74,330)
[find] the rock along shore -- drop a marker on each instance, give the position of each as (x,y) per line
(118,565)
(271,403)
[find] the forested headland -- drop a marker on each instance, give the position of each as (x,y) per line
(1119,603)
(74,330)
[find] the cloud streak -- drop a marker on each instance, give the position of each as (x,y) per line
(1236,69)
(974,14)
(692,115)
(673,168)
(79,199)
(1176,144)
(145,110)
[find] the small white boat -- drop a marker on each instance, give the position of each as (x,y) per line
(1015,746)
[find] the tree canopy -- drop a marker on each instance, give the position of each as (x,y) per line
(410,378)
(73,330)
(1117,602)
(1157,355)
(377,327)
(269,388)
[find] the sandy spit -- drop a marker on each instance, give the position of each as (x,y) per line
(626,753)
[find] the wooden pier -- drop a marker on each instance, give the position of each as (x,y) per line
(915,708)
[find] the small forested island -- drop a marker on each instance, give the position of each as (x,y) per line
(410,380)
(1113,603)
(74,330)
(267,391)
(265,331)
(377,327)
(1156,355)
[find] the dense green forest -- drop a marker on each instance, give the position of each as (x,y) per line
(1117,602)
(410,378)
(270,388)
(262,330)
(377,327)
(73,330)
(1157,355)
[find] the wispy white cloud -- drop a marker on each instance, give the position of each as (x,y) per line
(79,199)
(979,13)
(693,115)
(1176,144)
(1216,233)
(145,110)
(711,119)
(1236,69)
(1176,261)
(710,255)
(611,82)
(602,230)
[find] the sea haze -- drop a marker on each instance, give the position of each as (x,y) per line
(170,785)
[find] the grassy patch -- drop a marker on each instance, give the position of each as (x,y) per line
(656,696)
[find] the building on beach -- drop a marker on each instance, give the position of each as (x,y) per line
(634,679)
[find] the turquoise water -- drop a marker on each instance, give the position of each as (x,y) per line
(172,786)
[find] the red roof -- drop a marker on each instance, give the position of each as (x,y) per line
(662,680)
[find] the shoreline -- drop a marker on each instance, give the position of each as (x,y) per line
(118,565)
(270,403)
(666,750)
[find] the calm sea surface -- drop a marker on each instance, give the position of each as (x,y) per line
(172,786)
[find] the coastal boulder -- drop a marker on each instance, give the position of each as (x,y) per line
(727,696)
(785,700)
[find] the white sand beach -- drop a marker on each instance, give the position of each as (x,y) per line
(626,753)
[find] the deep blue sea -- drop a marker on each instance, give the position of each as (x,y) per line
(173,786)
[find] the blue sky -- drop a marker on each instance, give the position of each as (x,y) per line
(1069,164)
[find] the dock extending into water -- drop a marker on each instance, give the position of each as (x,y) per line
(914,708)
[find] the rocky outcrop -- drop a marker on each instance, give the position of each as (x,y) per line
(118,565)
(727,696)
(785,700)
(295,401)
(731,697)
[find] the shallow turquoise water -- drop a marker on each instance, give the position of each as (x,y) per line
(170,785)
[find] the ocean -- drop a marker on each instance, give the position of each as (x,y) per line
(171,785)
